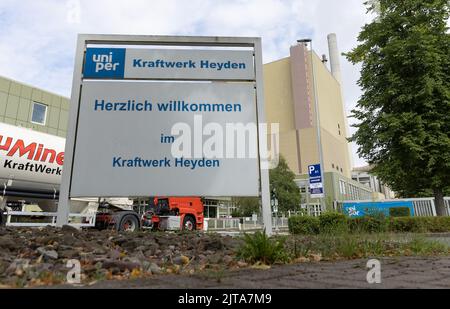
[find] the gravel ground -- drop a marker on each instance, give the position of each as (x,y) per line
(34,257)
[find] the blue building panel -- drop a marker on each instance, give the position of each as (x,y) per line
(361,209)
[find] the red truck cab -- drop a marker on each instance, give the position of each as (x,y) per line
(190,210)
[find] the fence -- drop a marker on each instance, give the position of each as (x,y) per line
(212,224)
(89,219)
(253,224)
(314,210)
(424,207)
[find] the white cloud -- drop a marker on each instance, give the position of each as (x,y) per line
(37,37)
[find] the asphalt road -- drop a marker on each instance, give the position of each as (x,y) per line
(399,272)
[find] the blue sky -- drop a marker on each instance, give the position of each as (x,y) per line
(37,37)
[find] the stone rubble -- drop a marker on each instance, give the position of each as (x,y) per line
(39,256)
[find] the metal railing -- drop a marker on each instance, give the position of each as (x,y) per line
(280,223)
(423,207)
(447,205)
(89,219)
(221,224)
(314,210)
(244,224)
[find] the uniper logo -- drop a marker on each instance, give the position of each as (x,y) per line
(104,63)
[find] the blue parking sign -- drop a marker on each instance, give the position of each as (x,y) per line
(314,170)
(315,181)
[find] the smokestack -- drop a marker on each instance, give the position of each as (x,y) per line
(336,72)
(334,57)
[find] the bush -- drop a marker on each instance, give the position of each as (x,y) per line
(258,247)
(405,224)
(399,212)
(376,223)
(304,225)
(420,224)
(333,222)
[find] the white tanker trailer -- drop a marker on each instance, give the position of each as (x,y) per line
(31,164)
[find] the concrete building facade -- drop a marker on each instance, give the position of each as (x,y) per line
(380,190)
(30,107)
(290,87)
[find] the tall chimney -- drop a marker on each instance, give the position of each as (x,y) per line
(336,72)
(334,57)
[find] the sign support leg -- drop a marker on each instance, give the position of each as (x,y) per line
(264,172)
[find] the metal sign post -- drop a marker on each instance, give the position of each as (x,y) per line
(128,95)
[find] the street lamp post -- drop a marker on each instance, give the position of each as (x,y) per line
(274,203)
(318,134)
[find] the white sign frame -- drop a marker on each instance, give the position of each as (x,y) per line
(88,39)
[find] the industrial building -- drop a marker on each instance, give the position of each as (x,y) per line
(27,106)
(291,86)
(363,175)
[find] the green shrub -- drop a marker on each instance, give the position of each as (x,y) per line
(304,225)
(399,212)
(376,223)
(258,247)
(333,222)
(436,224)
(336,223)
(405,225)
(420,224)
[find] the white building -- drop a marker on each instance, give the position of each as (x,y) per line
(362,175)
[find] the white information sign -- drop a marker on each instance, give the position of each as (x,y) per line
(165,116)
(148,63)
(129,144)
(190,64)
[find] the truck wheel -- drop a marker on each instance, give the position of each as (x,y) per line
(129,223)
(188,223)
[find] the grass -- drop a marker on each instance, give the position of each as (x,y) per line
(422,246)
(349,246)
(217,274)
(268,250)
(258,247)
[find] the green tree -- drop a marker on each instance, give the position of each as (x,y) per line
(404,112)
(284,187)
(246,206)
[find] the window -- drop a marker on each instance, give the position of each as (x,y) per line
(39,113)
(342,186)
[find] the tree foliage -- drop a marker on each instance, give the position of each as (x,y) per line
(284,187)
(246,206)
(404,112)
(281,183)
